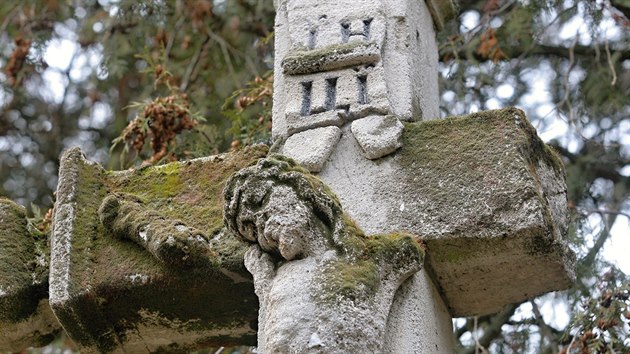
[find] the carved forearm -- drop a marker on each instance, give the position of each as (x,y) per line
(170,241)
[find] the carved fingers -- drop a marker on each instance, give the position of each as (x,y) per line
(170,241)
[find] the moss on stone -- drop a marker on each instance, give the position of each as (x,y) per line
(464,163)
(15,250)
(356,280)
(358,275)
(114,280)
(360,261)
(21,281)
(397,248)
(364,260)
(332,57)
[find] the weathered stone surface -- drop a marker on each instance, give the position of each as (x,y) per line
(140,259)
(378,135)
(346,60)
(323,285)
(419,321)
(312,148)
(333,57)
(483,191)
(325,75)
(25,317)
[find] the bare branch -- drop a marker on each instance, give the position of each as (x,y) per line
(493,328)
(545,330)
(542,50)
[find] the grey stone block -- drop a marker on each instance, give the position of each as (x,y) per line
(312,147)
(483,191)
(374,49)
(378,136)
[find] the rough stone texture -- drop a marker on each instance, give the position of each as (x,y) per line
(323,73)
(378,135)
(333,57)
(323,285)
(346,60)
(485,193)
(140,259)
(25,317)
(313,147)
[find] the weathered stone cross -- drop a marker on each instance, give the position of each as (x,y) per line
(153,260)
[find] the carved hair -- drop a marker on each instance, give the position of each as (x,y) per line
(247,191)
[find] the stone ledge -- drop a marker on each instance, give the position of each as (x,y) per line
(489,198)
(330,58)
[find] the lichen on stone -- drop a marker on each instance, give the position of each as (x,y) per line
(149,238)
(361,262)
(169,240)
(466,161)
(311,263)
(489,199)
(17,300)
(332,57)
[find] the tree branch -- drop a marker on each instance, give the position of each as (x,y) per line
(590,257)
(493,329)
(545,329)
(536,50)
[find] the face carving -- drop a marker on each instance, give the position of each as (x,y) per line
(280,210)
(316,274)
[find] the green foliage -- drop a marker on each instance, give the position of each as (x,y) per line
(112,51)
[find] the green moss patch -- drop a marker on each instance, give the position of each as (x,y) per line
(21,281)
(357,280)
(471,167)
(332,57)
(114,279)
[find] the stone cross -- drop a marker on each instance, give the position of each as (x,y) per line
(409,220)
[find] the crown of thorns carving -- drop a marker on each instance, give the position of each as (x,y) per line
(247,191)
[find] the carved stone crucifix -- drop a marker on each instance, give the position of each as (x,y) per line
(147,261)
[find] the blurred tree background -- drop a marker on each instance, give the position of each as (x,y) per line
(151,81)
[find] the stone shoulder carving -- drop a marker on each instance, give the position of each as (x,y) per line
(311,264)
